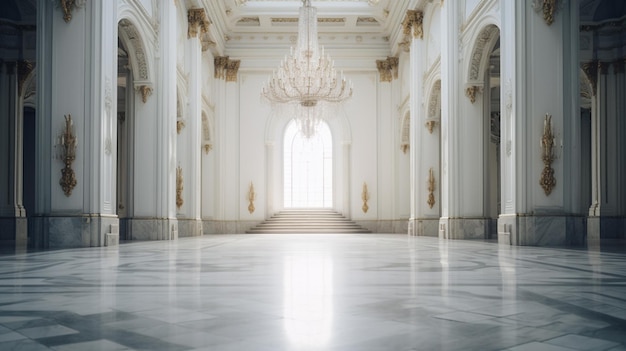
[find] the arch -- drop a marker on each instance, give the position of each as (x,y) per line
(586,90)
(29,90)
(139,57)
(479,57)
(434,101)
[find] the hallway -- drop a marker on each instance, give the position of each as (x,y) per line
(313,292)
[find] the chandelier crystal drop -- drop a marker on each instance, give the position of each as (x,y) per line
(307,77)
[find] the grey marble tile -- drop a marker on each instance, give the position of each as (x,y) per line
(579,342)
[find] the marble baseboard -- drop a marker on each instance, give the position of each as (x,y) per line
(541,230)
(396,226)
(463,228)
(227,227)
(75,231)
(152,229)
(424,227)
(189,228)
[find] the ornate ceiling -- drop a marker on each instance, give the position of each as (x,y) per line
(343,24)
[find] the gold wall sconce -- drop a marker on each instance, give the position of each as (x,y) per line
(548,155)
(251,198)
(179,187)
(431,188)
(68,143)
(365,196)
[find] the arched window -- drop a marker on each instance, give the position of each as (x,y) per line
(308,168)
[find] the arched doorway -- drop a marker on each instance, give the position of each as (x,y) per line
(308,168)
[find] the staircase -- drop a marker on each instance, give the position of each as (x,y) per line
(307,221)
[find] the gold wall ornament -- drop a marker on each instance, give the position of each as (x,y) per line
(145,91)
(413,23)
(251,198)
(180,124)
(548,8)
(430,125)
(471,91)
(68,142)
(431,188)
(365,196)
(405,147)
(388,68)
(548,155)
(179,187)
(207,147)
(68,6)
(197,22)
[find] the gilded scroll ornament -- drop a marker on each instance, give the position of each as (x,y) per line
(251,198)
(547,8)
(68,6)
(179,187)
(365,196)
(180,124)
(207,147)
(431,188)
(470,92)
(548,155)
(430,125)
(68,142)
(145,91)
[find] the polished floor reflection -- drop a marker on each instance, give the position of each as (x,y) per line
(314,292)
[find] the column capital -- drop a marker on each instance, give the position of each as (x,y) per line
(413,23)
(388,68)
(197,22)
(225,68)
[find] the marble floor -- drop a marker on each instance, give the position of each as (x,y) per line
(314,292)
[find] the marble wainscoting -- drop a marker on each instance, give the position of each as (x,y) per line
(424,227)
(76,231)
(189,227)
(397,226)
(463,228)
(227,227)
(606,228)
(152,229)
(14,232)
(541,230)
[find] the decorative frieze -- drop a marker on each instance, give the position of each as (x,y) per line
(413,23)
(388,68)
(197,22)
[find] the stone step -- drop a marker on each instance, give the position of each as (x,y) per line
(308,221)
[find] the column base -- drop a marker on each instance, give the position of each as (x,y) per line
(14,232)
(463,228)
(599,227)
(75,231)
(189,228)
(522,230)
(152,229)
(424,227)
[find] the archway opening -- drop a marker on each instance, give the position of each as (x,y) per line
(308,168)
(493,183)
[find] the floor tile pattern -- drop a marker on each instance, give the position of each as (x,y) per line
(314,292)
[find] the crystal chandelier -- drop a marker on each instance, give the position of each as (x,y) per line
(307,77)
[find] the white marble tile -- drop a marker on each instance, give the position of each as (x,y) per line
(306,292)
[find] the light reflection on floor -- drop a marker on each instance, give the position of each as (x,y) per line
(308,298)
